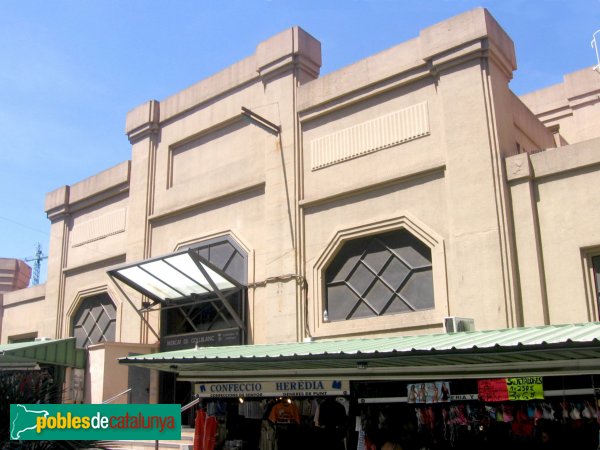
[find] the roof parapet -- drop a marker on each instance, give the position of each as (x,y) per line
(142,121)
(473,31)
(292,46)
(292,49)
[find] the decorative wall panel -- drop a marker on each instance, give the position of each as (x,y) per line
(367,137)
(99,227)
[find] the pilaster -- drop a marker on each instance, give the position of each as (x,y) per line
(472,59)
(528,243)
(284,62)
(57,210)
(143,130)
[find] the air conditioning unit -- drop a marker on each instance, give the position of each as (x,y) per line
(456,324)
(42,339)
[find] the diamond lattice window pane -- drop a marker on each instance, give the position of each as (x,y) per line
(225,254)
(342,301)
(361,279)
(94,321)
(378,296)
(398,306)
(220,254)
(395,273)
(376,255)
(89,323)
(341,271)
(418,290)
(415,254)
(103,321)
(362,311)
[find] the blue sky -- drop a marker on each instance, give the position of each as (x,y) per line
(71,69)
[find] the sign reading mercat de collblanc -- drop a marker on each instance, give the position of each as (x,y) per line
(305,388)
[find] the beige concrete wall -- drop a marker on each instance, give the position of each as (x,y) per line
(98,217)
(213,172)
(88,229)
(573,105)
(530,133)
(105,377)
(26,312)
(416,204)
(94,375)
(443,179)
(556,221)
(404,188)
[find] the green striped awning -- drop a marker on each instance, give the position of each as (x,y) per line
(555,349)
(58,352)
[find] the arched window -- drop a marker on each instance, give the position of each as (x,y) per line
(227,255)
(377,275)
(95,321)
(208,313)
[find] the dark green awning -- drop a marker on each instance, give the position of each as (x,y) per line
(57,352)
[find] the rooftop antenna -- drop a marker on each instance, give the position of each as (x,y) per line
(595,46)
(37,262)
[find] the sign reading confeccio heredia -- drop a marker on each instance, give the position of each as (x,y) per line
(304,388)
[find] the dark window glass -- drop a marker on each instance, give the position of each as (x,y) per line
(208,313)
(225,254)
(95,321)
(379,275)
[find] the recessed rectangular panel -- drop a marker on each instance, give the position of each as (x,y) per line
(370,136)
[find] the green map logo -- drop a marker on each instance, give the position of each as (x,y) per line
(95,422)
(24,420)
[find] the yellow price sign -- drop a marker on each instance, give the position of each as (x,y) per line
(525,388)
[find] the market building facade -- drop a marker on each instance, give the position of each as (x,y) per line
(268,211)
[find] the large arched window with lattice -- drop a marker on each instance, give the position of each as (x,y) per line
(378,275)
(208,314)
(95,321)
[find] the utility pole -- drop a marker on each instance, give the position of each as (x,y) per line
(37,262)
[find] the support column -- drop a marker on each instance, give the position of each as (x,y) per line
(472,59)
(57,210)
(142,128)
(528,241)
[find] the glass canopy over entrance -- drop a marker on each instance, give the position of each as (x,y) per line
(178,280)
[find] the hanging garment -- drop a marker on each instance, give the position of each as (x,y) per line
(268,436)
(199,425)
(284,412)
(333,422)
(210,433)
(332,414)
(205,431)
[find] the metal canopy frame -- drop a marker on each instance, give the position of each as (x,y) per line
(178,280)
